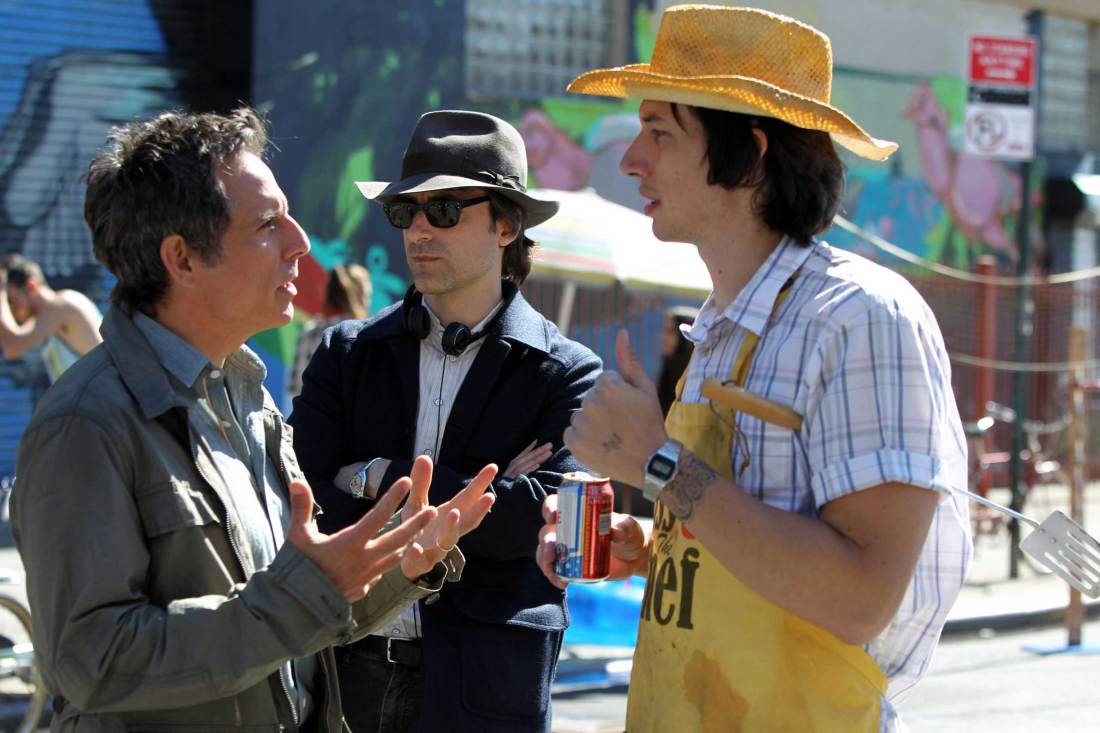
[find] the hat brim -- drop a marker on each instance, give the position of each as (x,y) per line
(733,94)
(537,211)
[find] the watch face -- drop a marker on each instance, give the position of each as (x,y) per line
(661,467)
(356,483)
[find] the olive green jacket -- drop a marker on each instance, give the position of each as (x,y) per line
(147,615)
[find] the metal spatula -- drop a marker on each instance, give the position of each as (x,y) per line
(1057,542)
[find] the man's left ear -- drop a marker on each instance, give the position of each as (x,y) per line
(178,260)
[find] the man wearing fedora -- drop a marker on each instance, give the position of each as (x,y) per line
(463,370)
(796,579)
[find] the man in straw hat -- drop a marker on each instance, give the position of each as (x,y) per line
(466,371)
(796,579)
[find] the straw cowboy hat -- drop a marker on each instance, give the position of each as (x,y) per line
(460,149)
(740,60)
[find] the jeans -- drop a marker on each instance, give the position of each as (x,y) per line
(378,696)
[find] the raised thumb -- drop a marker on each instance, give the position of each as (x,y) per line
(301,505)
(629,365)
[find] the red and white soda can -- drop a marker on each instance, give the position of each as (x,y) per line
(585,503)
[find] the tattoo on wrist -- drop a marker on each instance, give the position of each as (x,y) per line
(684,492)
(612,443)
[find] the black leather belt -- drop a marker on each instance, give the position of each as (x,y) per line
(395,651)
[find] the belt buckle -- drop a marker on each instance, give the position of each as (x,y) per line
(389,650)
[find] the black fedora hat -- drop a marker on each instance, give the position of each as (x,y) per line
(461,149)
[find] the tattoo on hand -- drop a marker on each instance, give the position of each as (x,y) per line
(687,489)
(612,443)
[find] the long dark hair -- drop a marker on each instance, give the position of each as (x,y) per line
(802,178)
(516,265)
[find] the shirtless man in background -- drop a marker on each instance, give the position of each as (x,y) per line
(32,314)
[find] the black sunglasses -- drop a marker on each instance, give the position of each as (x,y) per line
(442,213)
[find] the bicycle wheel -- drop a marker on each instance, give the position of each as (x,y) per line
(1048,494)
(22,694)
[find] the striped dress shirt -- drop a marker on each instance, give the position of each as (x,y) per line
(441,377)
(857,352)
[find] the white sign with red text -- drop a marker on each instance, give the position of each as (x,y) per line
(1000,111)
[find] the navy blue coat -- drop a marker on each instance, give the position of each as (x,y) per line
(491,640)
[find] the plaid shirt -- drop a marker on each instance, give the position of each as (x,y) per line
(857,352)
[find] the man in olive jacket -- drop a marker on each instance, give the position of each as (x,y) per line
(175,575)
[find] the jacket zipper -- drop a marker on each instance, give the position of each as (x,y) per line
(229,527)
(282,477)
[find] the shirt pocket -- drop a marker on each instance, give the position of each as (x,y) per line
(173,505)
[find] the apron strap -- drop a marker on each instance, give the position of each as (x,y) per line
(745,354)
(747,350)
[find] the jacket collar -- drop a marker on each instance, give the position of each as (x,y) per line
(138,365)
(519,323)
(753,306)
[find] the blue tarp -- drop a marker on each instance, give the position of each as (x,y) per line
(604,613)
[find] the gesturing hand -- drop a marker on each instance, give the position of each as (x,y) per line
(456,517)
(353,558)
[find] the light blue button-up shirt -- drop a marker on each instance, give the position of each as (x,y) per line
(225,408)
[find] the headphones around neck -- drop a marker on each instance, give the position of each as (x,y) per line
(457,337)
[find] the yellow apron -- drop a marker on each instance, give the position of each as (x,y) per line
(713,655)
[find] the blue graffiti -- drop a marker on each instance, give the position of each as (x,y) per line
(387,287)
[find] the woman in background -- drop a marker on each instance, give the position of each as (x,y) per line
(675,353)
(347,297)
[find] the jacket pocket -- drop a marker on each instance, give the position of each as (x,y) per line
(510,607)
(172,505)
(507,669)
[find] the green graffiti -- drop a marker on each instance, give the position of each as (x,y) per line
(282,342)
(947,244)
(645,38)
(328,253)
(391,62)
(950,92)
(351,207)
(387,287)
(574,116)
(322,82)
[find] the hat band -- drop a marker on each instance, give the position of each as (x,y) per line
(444,163)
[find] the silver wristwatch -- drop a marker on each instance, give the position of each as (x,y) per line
(357,485)
(661,468)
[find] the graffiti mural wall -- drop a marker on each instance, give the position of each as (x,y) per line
(344,85)
(931,198)
(67,77)
(69,71)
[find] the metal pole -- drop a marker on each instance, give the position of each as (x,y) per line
(1025,308)
(1075,458)
(986,348)
(565,308)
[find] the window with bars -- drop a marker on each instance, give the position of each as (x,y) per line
(529,49)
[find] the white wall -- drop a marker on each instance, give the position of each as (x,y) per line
(925,37)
